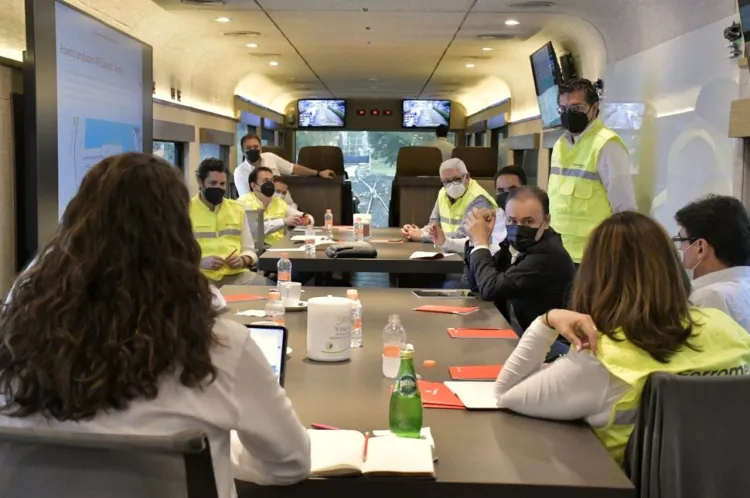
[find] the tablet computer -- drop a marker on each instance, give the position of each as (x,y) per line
(272,341)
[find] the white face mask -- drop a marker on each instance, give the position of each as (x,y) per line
(279,195)
(455,191)
(690,271)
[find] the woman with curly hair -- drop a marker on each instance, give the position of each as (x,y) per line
(112,330)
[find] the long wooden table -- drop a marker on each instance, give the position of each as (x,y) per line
(393,257)
(480,453)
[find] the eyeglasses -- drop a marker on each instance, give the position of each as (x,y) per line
(574,108)
(455,181)
(679,239)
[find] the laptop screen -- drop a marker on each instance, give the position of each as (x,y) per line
(271,343)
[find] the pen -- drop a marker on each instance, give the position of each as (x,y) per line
(323,427)
(231,254)
(364,452)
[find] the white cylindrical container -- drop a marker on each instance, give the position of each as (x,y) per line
(329,328)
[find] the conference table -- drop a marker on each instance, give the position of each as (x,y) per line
(393,255)
(481,453)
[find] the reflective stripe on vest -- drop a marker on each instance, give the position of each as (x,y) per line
(219,233)
(722,348)
(451,215)
(577,199)
(277,209)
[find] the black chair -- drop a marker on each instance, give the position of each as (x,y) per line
(47,463)
(691,438)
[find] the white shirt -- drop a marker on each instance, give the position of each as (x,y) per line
(576,386)
(446,148)
(245,397)
(727,290)
(613,168)
(278,165)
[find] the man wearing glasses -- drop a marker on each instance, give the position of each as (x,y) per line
(590,174)
(459,196)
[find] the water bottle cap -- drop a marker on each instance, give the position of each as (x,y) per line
(394,318)
(328,210)
(284,254)
(410,348)
(274,294)
(352,293)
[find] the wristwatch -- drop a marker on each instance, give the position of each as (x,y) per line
(317,173)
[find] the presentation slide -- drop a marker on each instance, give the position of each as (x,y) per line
(99,97)
(321,113)
(426,113)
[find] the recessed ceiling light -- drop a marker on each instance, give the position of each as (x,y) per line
(274,63)
(469,65)
(222,19)
(512,22)
(252,45)
(487,49)
(373,79)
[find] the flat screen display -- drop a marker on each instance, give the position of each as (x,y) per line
(426,113)
(99,96)
(547,77)
(548,108)
(321,113)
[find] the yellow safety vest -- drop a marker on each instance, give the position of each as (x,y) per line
(451,214)
(218,232)
(277,209)
(723,349)
(577,199)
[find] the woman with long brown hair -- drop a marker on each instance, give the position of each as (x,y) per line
(630,317)
(112,330)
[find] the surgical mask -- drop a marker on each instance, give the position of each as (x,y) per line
(690,271)
(214,195)
(574,121)
(252,155)
(268,189)
(280,195)
(521,238)
(455,191)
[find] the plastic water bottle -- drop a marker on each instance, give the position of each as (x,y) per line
(284,268)
(328,221)
(275,308)
(394,340)
(359,230)
(310,240)
(356,318)
(405,412)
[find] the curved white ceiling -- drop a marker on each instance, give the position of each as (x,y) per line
(412,47)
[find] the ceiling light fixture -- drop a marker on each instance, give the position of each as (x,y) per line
(222,19)
(487,49)
(274,63)
(469,65)
(252,45)
(512,22)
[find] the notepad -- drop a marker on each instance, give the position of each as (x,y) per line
(451,310)
(475,395)
(481,333)
(430,255)
(340,453)
(238,298)
(475,372)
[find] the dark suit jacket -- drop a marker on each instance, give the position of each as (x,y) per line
(538,281)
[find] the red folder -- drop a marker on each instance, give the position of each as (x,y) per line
(436,395)
(238,298)
(480,333)
(478,372)
(451,310)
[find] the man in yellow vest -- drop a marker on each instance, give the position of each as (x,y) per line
(221,229)
(277,214)
(459,196)
(590,175)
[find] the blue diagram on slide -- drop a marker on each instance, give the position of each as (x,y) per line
(95,139)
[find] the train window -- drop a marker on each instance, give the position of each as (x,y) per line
(370,162)
(171,151)
(210,150)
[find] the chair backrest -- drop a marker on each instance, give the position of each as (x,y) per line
(255,221)
(691,437)
(322,157)
(279,151)
(61,464)
(418,161)
(481,162)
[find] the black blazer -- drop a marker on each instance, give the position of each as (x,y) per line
(537,281)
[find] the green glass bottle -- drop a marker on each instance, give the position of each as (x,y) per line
(405,414)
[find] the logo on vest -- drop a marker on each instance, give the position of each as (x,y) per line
(737,370)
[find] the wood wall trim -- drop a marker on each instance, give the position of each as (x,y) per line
(739,119)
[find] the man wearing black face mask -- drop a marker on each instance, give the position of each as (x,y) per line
(220,227)
(590,174)
(539,277)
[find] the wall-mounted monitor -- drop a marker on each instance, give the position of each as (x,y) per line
(88,95)
(547,77)
(744,8)
(426,113)
(321,113)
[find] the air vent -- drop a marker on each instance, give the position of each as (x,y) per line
(203,2)
(242,33)
(495,36)
(476,58)
(533,5)
(264,55)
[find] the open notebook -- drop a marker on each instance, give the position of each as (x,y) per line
(340,453)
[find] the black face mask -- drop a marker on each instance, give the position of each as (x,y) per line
(574,121)
(214,195)
(502,199)
(252,155)
(268,189)
(521,238)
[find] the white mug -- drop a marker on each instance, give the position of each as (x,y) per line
(291,293)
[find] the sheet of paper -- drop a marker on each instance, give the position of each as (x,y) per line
(256,313)
(474,395)
(425,434)
(475,372)
(288,249)
(480,333)
(336,452)
(426,255)
(394,456)
(318,238)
